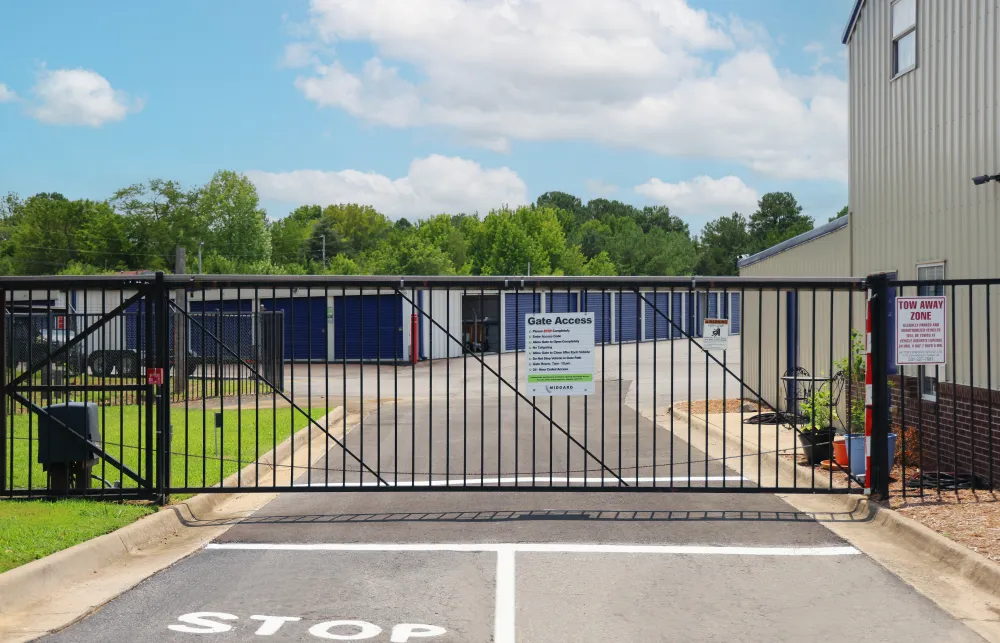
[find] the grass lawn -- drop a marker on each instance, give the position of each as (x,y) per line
(32,529)
(201,455)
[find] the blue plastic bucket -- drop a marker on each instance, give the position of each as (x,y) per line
(856,452)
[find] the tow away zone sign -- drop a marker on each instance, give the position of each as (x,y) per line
(921,330)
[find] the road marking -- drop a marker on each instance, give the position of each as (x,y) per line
(503,619)
(475,481)
(548,548)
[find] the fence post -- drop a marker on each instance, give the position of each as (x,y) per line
(878,370)
(162,356)
(3,394)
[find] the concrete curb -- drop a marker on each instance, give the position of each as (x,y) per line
(977,569)
(38,579)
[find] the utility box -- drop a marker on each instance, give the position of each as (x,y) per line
(67,460)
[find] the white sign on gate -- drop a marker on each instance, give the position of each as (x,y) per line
(921,330)
(715,336)
(560,353)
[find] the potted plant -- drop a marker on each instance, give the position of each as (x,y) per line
(816,435)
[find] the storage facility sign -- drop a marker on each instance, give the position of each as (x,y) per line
(921,330)
(715,335)
(560,353)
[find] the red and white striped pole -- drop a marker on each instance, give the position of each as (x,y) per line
(868,396)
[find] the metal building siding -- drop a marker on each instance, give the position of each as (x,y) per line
(627,317)
(382,316)
(561,302)
(516,306)
(915,143)
(656,321)
(599,304)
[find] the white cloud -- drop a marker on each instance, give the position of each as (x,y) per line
(702,196)
(644,74)
(299,54)
(597,187)
(433,185)
(80,97)
(7,95)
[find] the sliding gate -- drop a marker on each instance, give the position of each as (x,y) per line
(405,394)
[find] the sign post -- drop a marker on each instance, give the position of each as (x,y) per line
(560,353)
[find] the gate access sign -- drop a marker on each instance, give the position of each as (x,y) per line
(560,353)
(921,330)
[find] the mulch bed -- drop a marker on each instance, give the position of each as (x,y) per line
(717,406)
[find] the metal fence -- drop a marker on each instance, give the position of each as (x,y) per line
(945,419)
(389,384)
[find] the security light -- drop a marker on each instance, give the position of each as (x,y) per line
(986,178)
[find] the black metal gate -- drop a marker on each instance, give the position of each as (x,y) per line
(387,384)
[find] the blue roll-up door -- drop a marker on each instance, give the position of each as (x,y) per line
(599,304)
(516,306)
(677,315)
(305,326)
(233,328)
(561,302)
(735,315)
(713,305)
(656,320)
(380,317)
(626,317)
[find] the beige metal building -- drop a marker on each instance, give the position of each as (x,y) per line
(924,121)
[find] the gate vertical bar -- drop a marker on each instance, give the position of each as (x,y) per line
(3,395)
(880,401)
(162,308)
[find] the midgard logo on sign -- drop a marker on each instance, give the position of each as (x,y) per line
(560,352)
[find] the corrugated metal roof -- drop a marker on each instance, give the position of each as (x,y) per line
(805,237)
(855,14)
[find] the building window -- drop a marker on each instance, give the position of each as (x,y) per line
(904,36)
(928,375)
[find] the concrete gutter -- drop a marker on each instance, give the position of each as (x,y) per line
(53,592)
(960,581)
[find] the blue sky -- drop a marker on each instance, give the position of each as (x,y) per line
(420,106)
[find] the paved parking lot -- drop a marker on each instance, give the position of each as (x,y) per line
(374,561)
(528,567)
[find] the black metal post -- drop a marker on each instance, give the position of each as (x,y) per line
(163,438)
(881,403)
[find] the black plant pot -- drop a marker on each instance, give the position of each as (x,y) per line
(817,445)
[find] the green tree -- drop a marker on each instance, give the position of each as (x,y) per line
(593,237)
(601,265)
(441,231)
(504,247)
(407,254)
(239,227)
(722,243)
(325,240)
(290,235)
(778,217)
(341,264)
(159,216)
(842,213)
(362,227)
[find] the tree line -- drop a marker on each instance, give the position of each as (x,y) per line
(140,227)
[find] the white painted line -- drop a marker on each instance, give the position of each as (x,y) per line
(503,619)
(549,548)
(538,481)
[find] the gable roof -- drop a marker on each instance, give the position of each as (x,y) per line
(788,244)
(855,14)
